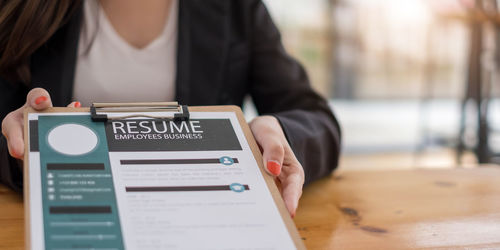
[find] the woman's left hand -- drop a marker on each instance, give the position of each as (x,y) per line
(279,159)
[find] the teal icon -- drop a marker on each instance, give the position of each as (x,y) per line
(226,160)
(236,187)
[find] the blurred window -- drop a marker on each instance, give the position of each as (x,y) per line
(395,71)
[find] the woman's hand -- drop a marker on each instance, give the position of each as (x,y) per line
(13,123)
(279,159)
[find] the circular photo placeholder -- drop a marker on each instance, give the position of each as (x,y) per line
(72,139)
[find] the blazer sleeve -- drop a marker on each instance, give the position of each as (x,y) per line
(280,87)
(12,96)
(10,169)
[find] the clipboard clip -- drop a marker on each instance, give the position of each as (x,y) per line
(140,109)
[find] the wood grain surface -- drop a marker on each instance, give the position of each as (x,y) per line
(408,209)
(11,219)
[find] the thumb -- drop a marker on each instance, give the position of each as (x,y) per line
(39,99)
(75,104)
(273,154)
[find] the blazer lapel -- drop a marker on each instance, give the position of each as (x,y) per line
(53,65)
(201,50)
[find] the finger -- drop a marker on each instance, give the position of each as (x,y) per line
(273,154)
(277,181)
(74,105)
(12,129)
(292,190)
(39,99)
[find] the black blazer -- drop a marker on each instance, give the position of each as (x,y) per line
(227,49)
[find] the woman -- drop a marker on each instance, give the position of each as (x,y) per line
(208,52)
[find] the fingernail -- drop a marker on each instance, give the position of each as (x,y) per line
(78,104)
(15,155)
(40,99)
(274,167)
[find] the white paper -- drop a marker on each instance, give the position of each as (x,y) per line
(160,204)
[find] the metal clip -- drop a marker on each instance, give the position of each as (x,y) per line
(98,111)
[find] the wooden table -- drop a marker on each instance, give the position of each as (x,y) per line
(11,219)
(444,209)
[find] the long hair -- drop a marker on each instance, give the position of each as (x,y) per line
(25,25)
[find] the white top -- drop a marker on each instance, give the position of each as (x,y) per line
(109,69)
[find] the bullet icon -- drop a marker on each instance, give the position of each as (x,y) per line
(50,182)
(52,197)
(237,187)
(226,160)
(51,190)
(50,175)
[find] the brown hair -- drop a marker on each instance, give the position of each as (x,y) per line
(25,25)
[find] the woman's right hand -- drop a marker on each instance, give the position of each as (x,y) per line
(13,123)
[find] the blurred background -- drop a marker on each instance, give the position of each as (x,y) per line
(412,82)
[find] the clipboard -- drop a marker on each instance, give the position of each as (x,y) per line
(181,113)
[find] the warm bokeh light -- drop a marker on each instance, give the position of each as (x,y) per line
(396,71)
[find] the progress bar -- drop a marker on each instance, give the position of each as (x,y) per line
(186,188)
(84,237)
(75,166)
(82,223)
(80,209)
(174,161)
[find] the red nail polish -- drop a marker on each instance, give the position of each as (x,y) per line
(15,155)
(78,104)
(274,167)
(40,99)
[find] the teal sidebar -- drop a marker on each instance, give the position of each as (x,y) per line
(79,204)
